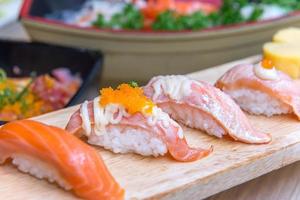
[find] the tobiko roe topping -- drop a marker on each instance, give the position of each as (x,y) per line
(132,98)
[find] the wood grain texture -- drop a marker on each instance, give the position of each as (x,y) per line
(231,163)
(280,184)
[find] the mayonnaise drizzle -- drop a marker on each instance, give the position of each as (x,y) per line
(84,113)
(175,86)
(110,114)
(266,74)
(99,117)
(159,115)
(113,114)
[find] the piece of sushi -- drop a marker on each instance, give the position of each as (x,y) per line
(261,89)
(124,121)
(199,105)
(51,153)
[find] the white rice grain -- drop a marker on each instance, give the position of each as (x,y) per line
(38,169)
(258,103)
(121,139)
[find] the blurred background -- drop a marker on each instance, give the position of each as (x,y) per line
(121,40)
(140,39)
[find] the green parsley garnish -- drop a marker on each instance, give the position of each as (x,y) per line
(133,84)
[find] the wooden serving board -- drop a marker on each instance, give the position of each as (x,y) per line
(230,164)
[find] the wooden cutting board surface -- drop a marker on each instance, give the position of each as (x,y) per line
(230,164)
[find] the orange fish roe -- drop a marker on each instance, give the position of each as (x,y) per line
(131,98)
(267,64)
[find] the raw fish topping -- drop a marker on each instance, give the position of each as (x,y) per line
(106,122)
(199,105)
(284,90)
(114,105)
(54,154)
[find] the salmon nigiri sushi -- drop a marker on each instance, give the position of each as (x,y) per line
(124,120)
(51,153)
(261,89)
(199,105)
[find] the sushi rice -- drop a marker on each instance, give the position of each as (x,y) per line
(199,105)
(39,169)
(258,103)
(122,139)
(129,140)
(51,153)
(260,93)
(124,120)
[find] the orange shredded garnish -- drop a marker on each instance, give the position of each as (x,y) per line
(29,106)
(8,84)
(131,98)
(267,64)
(49,81)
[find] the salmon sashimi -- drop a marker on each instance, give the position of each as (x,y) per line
(131,123)
(199,105)
(51,153)
(262,91)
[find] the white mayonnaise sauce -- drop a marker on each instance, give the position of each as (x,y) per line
(175,86)
(107,115)
(159,115)
(98,115)
(102,116)
(266,74)
(84,113)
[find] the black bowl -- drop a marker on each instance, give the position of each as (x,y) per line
(42,59)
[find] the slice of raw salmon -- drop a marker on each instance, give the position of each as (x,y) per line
(163,128)
(52,153)
(283,89)
(200,105)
